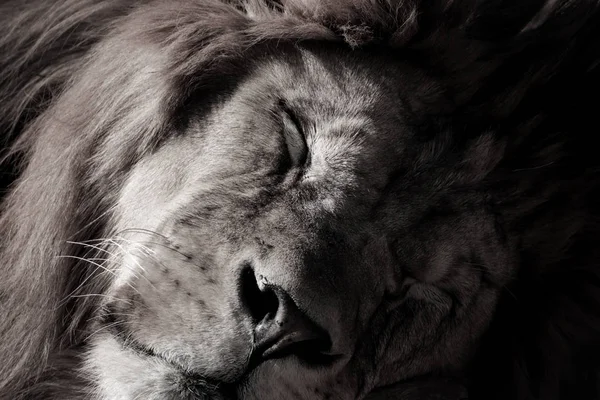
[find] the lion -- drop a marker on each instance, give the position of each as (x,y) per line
(299,199)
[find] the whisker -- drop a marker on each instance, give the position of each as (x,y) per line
(94,240)
(87,279)
(88,261)
(141,230)
(169,248)
(99,266)
(126,251)
(92,246)
(151,253)
(140,246)
(150,250)
(136,261)
(114,241)
(113,255)
(99,217)
(108,326)
(104,296)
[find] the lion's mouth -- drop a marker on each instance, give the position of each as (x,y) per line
(310,353)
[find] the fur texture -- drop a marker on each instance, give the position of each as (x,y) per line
(470,212)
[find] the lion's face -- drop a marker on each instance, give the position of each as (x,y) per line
(299,239)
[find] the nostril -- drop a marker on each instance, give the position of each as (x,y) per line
(281,329)
(259,303)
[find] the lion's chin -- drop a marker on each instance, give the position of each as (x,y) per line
(122,372)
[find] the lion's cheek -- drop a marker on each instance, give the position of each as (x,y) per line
(169,308)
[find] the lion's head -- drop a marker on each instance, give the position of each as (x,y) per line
(273,200)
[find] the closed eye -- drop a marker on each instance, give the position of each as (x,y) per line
(294,138)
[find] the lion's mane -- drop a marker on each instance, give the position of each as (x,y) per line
(529,69)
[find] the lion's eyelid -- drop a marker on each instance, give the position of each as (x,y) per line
(294,139)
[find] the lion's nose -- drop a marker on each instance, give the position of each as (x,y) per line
(286,330)
(281,328)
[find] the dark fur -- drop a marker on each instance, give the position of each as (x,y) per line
(529,70)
